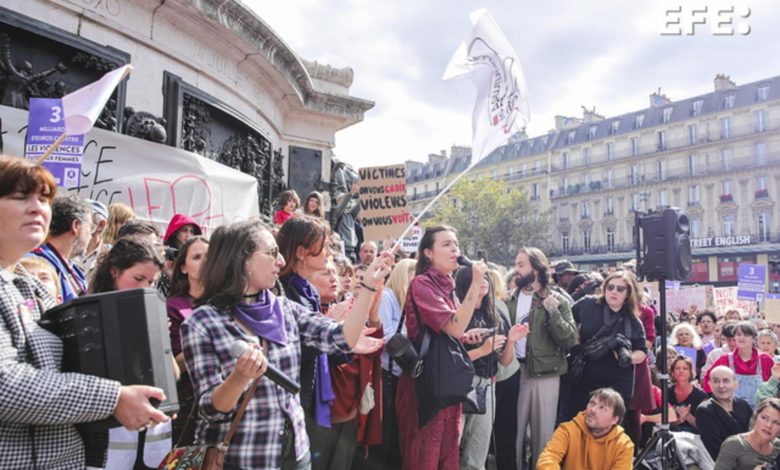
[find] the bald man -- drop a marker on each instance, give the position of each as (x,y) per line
(368,252)
(724,414)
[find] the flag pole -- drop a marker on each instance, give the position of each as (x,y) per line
(426,208)
(52,148)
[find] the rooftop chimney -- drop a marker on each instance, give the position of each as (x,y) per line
(565,122)
(723,82)
(657,99)
(590,115)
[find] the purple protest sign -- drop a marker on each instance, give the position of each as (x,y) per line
(751,281)
(45,124)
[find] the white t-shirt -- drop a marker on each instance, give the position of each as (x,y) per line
(522,314)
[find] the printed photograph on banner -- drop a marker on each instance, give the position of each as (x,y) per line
(383,207)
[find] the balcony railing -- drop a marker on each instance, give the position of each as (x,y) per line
(755,239)
(714,168)
(713,135)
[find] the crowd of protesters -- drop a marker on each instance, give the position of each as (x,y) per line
(319,304)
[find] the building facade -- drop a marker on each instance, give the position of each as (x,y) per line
(210,77)
(716,155)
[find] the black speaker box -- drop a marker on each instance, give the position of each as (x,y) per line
(664,240)
(122,336)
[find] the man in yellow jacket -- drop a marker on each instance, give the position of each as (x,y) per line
(593,440)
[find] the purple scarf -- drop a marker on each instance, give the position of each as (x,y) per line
(264,317)
(323,388)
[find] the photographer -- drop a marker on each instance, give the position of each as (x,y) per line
(611,320)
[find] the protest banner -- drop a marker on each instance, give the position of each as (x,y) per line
(155,180)
(45,124)
(383,209)
(725,298)
(678,300)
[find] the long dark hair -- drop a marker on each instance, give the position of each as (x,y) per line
(126,253)
(487,308)
(180,283)
(423,262)
(320,212)
(223,274)
(539,264)
(304,231)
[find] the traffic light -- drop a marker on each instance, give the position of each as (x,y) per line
(663,244)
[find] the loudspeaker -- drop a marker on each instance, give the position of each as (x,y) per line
(122,336)
(664,239)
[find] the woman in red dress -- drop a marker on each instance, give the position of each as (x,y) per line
(434,445)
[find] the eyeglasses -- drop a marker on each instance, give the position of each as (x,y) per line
(620,289)
(273,252)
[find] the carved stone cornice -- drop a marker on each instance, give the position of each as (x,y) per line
(727,208)
(250,28)
(761,205)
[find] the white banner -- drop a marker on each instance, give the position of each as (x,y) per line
(156,180)
(501,108)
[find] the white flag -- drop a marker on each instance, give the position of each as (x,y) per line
(82,107)
(501,109)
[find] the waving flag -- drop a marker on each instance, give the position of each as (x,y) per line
(501,109)
(82,107)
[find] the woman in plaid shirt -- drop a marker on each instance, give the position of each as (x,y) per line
(242,266)
(39,405)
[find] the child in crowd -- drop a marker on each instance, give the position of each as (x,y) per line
(45,273)
(288,202)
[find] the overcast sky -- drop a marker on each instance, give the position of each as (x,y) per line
(603,53)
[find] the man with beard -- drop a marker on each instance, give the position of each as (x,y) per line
(542,354)
(593,439)
(69,233)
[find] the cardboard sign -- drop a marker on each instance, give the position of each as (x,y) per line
(155,180)
(772,308)
(409,244)
(45,124)
(383,209)
(725,298)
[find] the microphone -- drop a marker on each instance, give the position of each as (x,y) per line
(278,377)
(464,261)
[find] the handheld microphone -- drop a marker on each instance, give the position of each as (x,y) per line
(464,261)
(275,375)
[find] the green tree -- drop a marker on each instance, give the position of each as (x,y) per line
(493,216)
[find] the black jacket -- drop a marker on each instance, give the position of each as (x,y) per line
(716,424)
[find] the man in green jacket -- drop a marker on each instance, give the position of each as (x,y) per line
(542,354)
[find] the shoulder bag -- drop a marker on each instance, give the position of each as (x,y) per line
(205,457)
(447,373)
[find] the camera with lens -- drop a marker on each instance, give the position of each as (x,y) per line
(622,347)
(171,253)
(623,356)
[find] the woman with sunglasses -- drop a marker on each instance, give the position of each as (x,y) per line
(613,317)
(237,304)
(759,446)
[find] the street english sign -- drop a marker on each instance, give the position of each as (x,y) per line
(709,242)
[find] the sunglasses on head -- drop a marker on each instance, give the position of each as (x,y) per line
(620,289)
